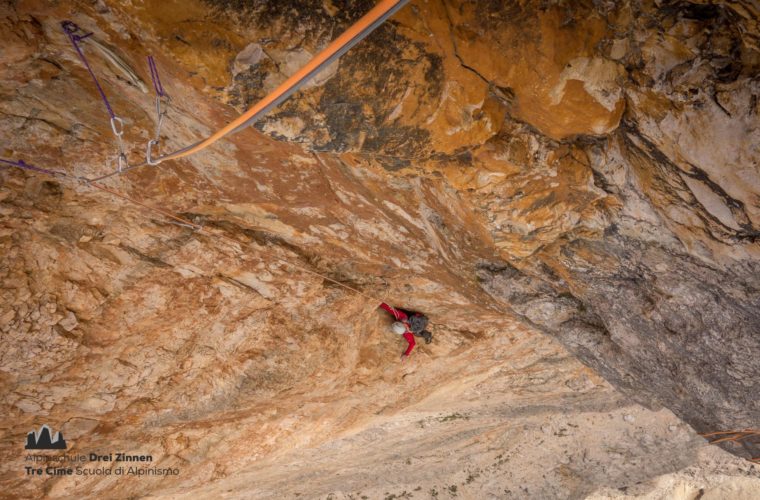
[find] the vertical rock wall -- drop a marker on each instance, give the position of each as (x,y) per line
(583,169)
(612,150)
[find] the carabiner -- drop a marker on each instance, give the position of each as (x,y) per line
(149,153)
(122,162)
(120,131)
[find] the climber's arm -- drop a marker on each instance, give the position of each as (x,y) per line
(400,316)
(409,338)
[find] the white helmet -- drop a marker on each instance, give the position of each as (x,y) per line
(398,327)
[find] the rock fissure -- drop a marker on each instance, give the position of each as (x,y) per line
(713,223)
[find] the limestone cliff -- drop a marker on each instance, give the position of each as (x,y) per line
(570,190)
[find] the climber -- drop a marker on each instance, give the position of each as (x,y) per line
(410,324)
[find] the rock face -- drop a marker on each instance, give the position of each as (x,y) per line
(570,190)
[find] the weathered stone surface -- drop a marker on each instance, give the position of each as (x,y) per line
(586,170)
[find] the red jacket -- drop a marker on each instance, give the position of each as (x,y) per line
(402,317)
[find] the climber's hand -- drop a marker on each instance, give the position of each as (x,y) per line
(403,357)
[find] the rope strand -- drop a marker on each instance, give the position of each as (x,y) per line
(154,76)
(117,124)
(353,35)
(70,28)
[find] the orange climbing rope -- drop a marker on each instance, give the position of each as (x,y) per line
(353,35)
(337,48)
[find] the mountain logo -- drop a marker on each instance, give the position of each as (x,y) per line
(41,440)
